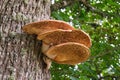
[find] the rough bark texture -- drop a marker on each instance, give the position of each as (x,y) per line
(17,49)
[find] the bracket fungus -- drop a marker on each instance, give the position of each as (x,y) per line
(61,42)
(46,26)
(62,36)
(68,53)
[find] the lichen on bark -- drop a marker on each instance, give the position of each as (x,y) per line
(17,49)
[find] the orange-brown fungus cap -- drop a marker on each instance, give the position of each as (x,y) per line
(63,36)
(68,53)
(46,25)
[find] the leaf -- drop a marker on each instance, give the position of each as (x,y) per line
(73,78)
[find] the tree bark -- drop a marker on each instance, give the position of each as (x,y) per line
(17,49)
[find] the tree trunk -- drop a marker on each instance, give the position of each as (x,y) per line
(17,49)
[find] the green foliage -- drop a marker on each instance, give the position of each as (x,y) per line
(104,62)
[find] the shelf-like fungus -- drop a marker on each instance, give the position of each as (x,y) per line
(46,26)
(60,41)
(68,53)
(62,36)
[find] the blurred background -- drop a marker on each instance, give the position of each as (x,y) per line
(101,20)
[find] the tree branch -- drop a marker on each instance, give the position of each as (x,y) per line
(65,3)
(91,8)
(62,4)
